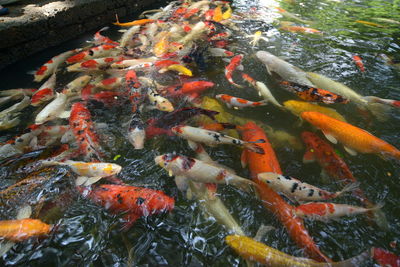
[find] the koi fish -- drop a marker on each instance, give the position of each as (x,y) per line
(353,138)
(287,14)
(233,64)
(239,103)
(253,250)
(23,229)
(391,102)
(299,29)
(323,211)
(187,169)
(214,138)
(257,36)
(297,107)
(359,63)
(52,110)
(110,83)
(266,93)
(373,24)
(45,92)
(285,70)
(89,172)
(217,14)
(136,131)
(127,37)
(385,258)
(51,66)
(104,50)
(295,189)
(259,163)
(220,52)
(133,23)
(75,86)
(93,64)
(100,39)
(134,202)
(190,89)
(197,30)
(312,94)
(141,63)
(161,103)
(182,70)
(83,130)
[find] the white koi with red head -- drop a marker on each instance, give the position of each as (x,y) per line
(105,50)
(198,171)
(220,52)
(323,211)
(213,138)
(295,189)
(110,83)
(233,64)
(239,103)
(45,92)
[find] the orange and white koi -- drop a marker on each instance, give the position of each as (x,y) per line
(353,138)
(160,102)
(23,229)
(300,29)
(214,138)
(239,103)
(141,63)
(297,190)
(136,131)
(220,52)
(105,50)
(110,83)
(52,110)
(185,168)
(93,64)
(358,61)
(75,86)
(45,92)
(51,66)
(233,64)
(100,39)
(313,94)
(391,102)
(324,211)
(82,127)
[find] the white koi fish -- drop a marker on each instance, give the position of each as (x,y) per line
(52,110)
(238,103)
(128,35)
(136,131)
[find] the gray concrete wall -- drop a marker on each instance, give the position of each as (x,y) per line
(34,27)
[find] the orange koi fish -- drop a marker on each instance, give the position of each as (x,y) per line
(134,202)
(271,200)
(233,64)
(370,23)
(359,63)
(353,138)
(300,29)
(82,128)
(312,94)
(217,16)
(133,23)
(238,103)
(190,89)
(20,230)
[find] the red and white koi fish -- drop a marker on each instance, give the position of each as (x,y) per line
(51,66)
(213,138)
(82,127)
(358,61)
(105,50)
(295,189)
(233,64)
(52,110)
(324,211)
(49,135)
(185,168)
(141,63)
(220,52)
(45,92)
(136,131)
(110,83)
(385,258)
(100,39)
(75,87)
(93,64)
(390,102)
(239,103)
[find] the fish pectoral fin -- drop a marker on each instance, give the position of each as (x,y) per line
(308,157)
(65,114)
(5,246)
(81,180)
(243,159)
(350,151)
(330,138)
(182,183)
(92,180)
(24,213)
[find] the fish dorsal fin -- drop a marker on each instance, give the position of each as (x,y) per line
(81,180)
(24,213)
(350,151)
(331,138)
(309,156)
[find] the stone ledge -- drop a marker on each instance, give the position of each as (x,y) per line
(30,28)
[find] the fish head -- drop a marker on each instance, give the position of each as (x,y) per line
(41,96)
(165,105)
(267,177)
(112,169)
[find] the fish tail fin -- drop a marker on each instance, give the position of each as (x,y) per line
(378,108)
(254,148)
(348,188)
(354,261)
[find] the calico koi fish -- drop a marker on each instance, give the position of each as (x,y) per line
(295,189)
(45,92)
(253,250)
(233,64)
(214,138)
(104,50)
(136,131)
(100,39)
(259,163)
(297,107)
(353,138)
(134,202)
(187,169)
(51,66)
(312,94)
(83,130)
(52,110)
(239,103)
(161,103)
(358,61)
(23,229)
(324,211)
(93,64)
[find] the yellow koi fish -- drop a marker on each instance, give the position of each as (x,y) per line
(182,70)
(297,107)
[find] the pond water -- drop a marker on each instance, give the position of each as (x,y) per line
(87,235)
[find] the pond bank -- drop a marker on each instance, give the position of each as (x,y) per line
(33,26)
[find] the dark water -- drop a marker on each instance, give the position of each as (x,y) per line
(89,236)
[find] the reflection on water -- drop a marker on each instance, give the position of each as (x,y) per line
(188,236)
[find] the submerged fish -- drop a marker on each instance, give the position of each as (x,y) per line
(20,230)
(237,102)
(233,64)
(136,131)
(298,107)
